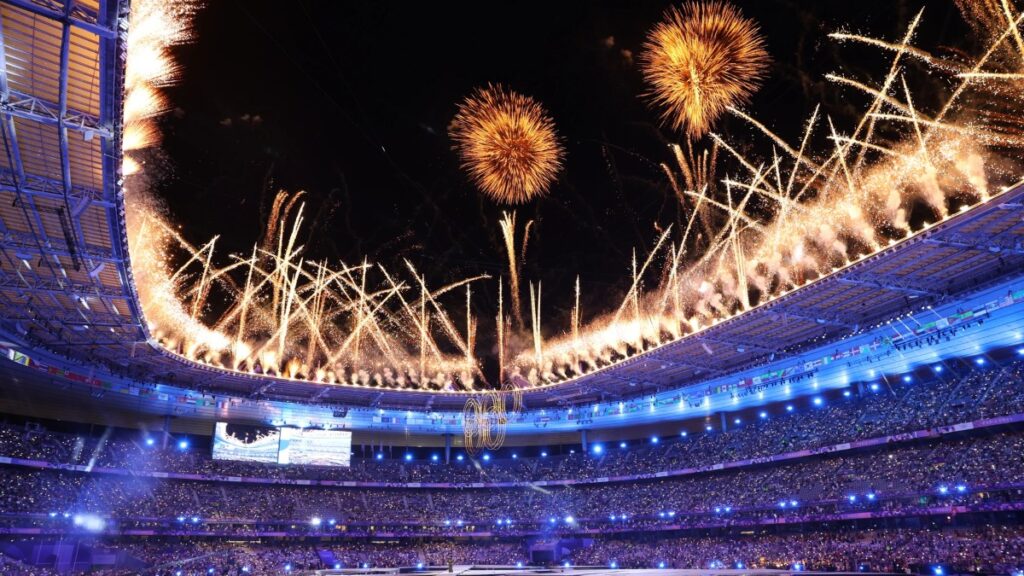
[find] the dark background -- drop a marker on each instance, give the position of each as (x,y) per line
(350,102)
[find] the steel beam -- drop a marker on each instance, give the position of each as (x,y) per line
(77,15)
(61,287)
(28,107)
(889,282)
(812,315)
(1003,243)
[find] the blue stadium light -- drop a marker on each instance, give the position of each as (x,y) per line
(613,564)
(907,378)
(817,400)
(287,567)
(598,448)
(782,504)
(852,498)
(150,441)
(182,444)
(419,565)
(515,456)
(938,571)
(793,503)
(459,457)
(337,566)
(315,521)
(798,566)
(519,564)
(871,495)
(789,407)
(332,521)
(736,421)
(408,457)
(728,509)
(246,568)
(661,514)
(661,564)
(447,522)
(654,439)
(500,522)
(544,454)
(552,520)
(53,514)
(1020,351)
(195,519)
(961,488)
(763,415)
(458,522)
(846,393)
(943,489)
(380,456)
(708,428)
(366,565)
(487,457)
(434,457)
(740,566)
(874,387)
(622,445)
(683,433)
(567,564)
(570,520)
(178,573)
(718,509)
(979,361)
(611,517)
(210,570)
(181,518)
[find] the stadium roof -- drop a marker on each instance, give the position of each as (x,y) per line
(66,283)
(64,276)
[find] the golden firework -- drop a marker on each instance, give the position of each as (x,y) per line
(700,60)
(507,144)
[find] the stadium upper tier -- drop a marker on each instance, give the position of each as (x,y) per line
(68,302)
(952,399)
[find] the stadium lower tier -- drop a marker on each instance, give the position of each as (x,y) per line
(979,469)
(937,501)
(942,547)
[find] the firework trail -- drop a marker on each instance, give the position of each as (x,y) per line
(836,198)
(833,197)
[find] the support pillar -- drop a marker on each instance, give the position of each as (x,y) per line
(447,448)
(583,440)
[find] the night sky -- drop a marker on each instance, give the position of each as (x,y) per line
(350,101)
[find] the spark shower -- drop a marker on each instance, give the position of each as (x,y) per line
(828,200)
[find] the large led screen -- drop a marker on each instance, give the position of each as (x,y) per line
(315,447)
(246,443)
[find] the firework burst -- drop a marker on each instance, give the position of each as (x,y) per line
(507,144)
(700,60)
